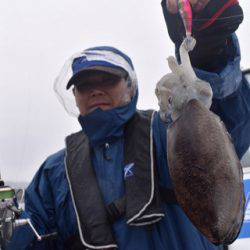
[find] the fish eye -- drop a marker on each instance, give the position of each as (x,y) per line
(170,99)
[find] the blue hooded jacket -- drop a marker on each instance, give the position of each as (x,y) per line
(48,201)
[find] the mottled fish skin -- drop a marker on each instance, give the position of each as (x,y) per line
(206,173)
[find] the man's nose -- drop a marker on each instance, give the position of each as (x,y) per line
(96,92)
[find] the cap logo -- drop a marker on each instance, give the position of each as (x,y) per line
(83,59)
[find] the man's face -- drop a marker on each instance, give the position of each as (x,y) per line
(101,90)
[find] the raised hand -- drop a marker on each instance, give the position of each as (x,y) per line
(197,5)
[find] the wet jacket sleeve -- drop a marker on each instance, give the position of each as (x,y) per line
(39,208)
(231,97)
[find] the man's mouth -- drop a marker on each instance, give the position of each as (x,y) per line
(99,104)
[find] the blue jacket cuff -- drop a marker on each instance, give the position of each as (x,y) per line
(229,78)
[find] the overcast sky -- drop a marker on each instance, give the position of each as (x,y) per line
(36,37)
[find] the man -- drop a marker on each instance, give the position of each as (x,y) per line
(79,191)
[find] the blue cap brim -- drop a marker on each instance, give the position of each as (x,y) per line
(111,70)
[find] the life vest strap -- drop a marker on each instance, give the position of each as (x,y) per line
(117,208)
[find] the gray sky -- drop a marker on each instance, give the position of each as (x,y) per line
(36,37)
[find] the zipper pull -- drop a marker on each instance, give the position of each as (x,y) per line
(105,152)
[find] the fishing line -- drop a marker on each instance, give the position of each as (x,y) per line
(197,21)
(219,18)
